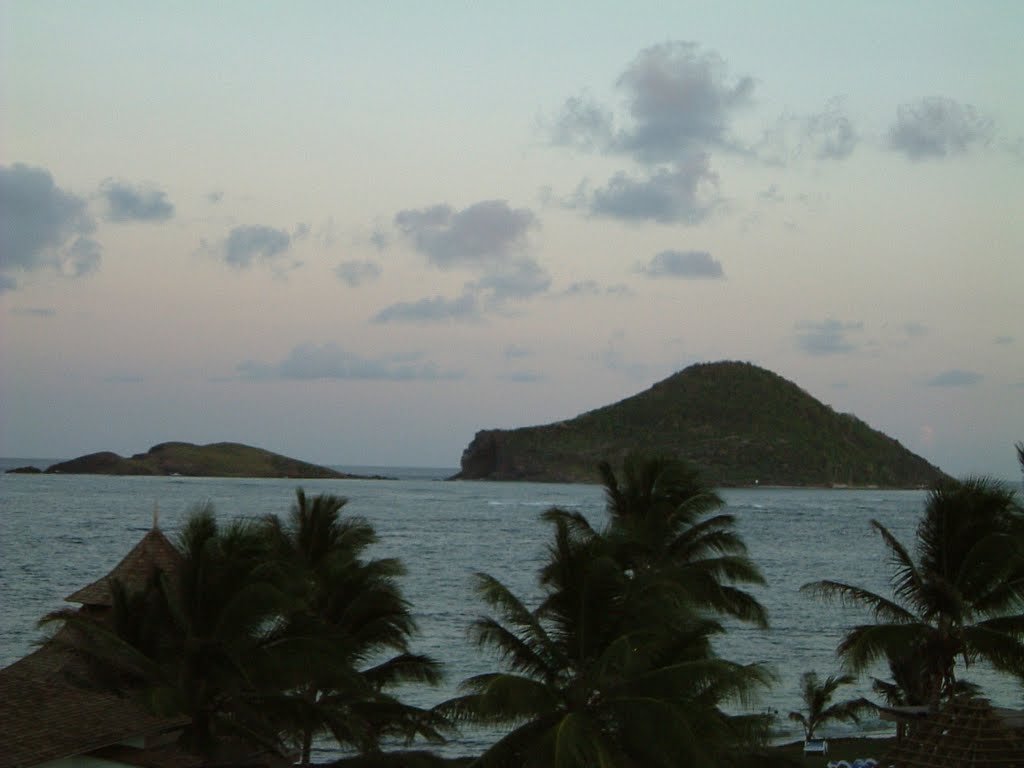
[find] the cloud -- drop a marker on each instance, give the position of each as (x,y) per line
(829,337)
(126,202)
(583,288)
(42,226)
(684,264)
(432,310)
(489,238)
(246,245)
(956,378)
(522,377)
(519,279)
(308,362)
(355,273)
(680,100)
(82,258)
(937,127)
(825,135)
(594,288)
(379,239)
(483,233)
(34,312)
(686,194)
(583,123)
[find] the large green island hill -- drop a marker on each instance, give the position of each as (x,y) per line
(739,424)
(186,459)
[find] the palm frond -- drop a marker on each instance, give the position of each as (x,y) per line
(881,607)
(500,698)
(867,643)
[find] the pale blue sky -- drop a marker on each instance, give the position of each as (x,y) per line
(357,233)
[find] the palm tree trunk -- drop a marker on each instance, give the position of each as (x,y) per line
(307,732)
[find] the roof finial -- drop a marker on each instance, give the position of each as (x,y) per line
(156,516)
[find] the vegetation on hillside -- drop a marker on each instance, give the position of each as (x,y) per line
(187,459)
(736,423)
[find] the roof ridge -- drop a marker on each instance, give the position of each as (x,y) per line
(153,552)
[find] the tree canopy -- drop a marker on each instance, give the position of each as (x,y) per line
(957,599)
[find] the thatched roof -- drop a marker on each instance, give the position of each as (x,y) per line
(965,733)
(152,553)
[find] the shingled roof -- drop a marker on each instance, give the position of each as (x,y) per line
(43,717)
(152,553)
(965,733)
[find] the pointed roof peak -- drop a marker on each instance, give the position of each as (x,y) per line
(153,552)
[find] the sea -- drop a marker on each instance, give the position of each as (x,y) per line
(60,532)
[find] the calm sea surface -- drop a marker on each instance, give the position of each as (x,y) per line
(58,533)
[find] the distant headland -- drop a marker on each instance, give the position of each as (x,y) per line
(189,460)
(738,424)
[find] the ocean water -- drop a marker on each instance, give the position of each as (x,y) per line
(60,532)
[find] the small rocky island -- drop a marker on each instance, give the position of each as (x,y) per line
(738,424)
(189,460)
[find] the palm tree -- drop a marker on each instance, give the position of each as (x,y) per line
(818,707)
(354,605)
(960,599)
(908,684)
(203,642)
(662,524)
(607,670)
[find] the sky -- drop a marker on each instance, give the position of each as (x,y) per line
(357,233)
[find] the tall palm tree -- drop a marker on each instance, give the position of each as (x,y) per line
(959,600)
(607,670)
(663,521)
(354,605)
(818,708)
